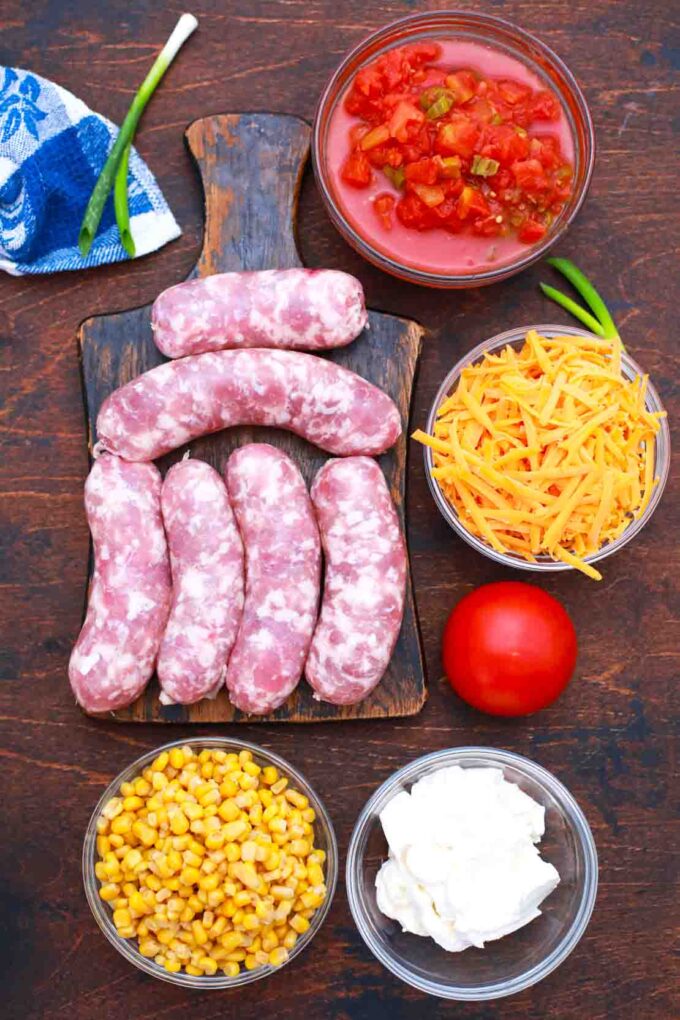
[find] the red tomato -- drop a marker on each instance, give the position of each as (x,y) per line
(357,170)
(509,648)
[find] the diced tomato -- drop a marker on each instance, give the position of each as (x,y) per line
(463,83)
(529,175)
(430,159)
(544,106)
(531,231)
(423,171)
(458,137)
(404,114)
(513,92)
(384,206)
(414,213)
(471,203)
(357,170)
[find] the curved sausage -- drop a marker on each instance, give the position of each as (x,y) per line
(299,309)
(363,599)
(283,567)
(206,558)
(115,653)
(180,400)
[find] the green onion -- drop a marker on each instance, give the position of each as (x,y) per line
(496,119)
(395,174)
(573,307)
(483,166)
(441,106)
(431,95)
(120,203)
(582,284)
(95,207)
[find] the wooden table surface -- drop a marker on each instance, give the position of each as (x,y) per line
(612,737)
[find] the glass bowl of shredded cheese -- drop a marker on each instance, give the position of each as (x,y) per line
(210,863)
(547,448)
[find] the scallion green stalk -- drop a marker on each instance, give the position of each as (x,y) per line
(120,203)
(95,207)
(580,282)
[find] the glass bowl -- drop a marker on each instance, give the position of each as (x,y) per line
(630,369)
(324,839)
(510,964)
(499,34)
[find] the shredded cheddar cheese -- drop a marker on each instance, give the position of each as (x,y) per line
(547,450)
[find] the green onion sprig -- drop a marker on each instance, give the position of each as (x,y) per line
(115,168)
(600,322)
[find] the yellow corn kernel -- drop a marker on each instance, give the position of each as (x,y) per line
(161,762)
(231,941)
(238,956)
(228,788)
(144,833)
(176,758)
(214,840)
(245,755)
(122,918)
(208,965)
(152,882)
(148,947)
(138,905)
(231,970)
(270,774)
(190,876)
(248,849)
(280,785)
(269,941)
(314,874)
(299,923)
(208,882)
(172,966)
(251,769)
(132,860)
(278,825)
(245,873)
(116,841)
(109,892)
(250,963)
(218,927)
(278,956)
(121,824)
(300,847)
(179,823)
(251,922)
(311,900)
(282,892)
(101,871)
(132,802)
(191,859)
(192,810)
(200,934)
(266,797)
(232,830)
(103,845)
(164,936)
(228,811)
(194,971)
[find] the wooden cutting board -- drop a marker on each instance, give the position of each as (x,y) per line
(251,166)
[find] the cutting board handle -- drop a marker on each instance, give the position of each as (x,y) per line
(251,167)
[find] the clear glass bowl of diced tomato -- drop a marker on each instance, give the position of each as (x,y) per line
(452,149)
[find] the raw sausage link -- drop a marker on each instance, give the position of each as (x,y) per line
(115,653)
(206,557)
(300,309)
(180,400)
(363,599)
(283,566)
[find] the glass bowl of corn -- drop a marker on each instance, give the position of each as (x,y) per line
(210,863)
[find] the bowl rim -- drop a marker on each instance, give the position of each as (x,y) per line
(652,403)
(128,947)
(492,757)
(480,21)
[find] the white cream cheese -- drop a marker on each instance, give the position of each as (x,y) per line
(463,867)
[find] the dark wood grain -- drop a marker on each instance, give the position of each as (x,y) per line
(612,737)
(251,166)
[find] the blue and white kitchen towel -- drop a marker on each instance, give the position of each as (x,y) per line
(52,149)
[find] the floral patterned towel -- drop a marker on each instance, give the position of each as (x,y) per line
(52,148)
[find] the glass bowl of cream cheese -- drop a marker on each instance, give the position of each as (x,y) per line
(471,873)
